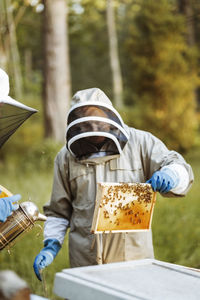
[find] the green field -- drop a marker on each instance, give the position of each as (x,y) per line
(176,225)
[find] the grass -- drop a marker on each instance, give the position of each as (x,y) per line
(176,224)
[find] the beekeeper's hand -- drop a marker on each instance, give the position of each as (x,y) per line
(163,181)
(46,256)
(7,205)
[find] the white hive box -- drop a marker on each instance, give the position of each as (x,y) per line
(123,207)
(147,279)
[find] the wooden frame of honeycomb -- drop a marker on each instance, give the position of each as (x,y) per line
(123,207)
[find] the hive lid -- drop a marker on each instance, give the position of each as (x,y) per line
(123,207)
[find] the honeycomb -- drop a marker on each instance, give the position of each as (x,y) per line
(123,207)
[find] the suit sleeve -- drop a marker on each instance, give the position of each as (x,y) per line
(60,202)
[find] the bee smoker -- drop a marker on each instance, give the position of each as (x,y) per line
(21,220)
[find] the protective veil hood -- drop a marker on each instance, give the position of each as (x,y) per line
(94,127)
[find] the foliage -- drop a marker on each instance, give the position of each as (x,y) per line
(163,74)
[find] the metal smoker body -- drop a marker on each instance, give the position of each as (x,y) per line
(20,221)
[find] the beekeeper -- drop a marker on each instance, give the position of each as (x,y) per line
(7,204)
(101,148)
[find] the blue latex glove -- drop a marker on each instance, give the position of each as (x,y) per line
(46,256)
(163,181)
(7,205)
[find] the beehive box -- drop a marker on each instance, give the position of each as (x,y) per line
(123,207)
(146,279)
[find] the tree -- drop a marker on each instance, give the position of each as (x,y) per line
(114,56)
(57,86)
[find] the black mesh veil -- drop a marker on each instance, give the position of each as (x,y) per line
(12,115)
(95,129)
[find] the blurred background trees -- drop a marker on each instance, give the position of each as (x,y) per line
(143,54)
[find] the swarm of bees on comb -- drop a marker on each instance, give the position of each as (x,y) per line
(123,207)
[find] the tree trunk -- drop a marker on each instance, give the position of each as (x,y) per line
(57,86)
(13,51)
(28,64)
(186,8)
(114,56)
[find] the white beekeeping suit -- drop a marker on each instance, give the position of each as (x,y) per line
(101,148)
